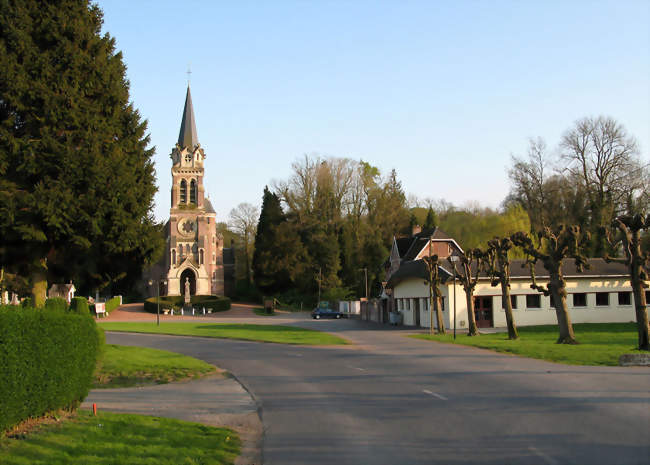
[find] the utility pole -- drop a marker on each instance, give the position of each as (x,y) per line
(430,293)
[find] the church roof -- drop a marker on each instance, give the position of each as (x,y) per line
(187,136)
(208,206)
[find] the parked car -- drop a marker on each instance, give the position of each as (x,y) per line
(325,312)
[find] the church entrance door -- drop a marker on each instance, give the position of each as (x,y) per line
(188,273)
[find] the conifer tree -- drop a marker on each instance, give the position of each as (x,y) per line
(271,216)
(76,177)
(431,221)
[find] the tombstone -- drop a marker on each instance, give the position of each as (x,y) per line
(5,298)
(14,299)
(204,310)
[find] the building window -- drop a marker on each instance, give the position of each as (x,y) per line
(602,299)
(442,304)
(580,299)
(183,191)
(425,304)
(180,251)
(214,239)
(214,258)
(173,256)
(533,301)
(625,298)
(214,275)
(407,304)
(201,257)
(513,302)
(193,192)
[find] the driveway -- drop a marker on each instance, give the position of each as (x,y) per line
(389,399)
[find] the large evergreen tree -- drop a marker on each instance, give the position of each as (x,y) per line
(76,177)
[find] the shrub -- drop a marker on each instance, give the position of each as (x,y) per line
(57,304)
(79,305)
(47,360)
(26,303)
(112,304)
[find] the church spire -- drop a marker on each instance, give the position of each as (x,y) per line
(187,136)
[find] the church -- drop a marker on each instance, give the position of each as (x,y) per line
(194,249)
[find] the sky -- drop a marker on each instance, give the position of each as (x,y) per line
(443,92)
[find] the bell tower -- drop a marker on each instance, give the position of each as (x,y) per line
(195,250)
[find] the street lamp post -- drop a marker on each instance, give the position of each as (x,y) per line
(158,283)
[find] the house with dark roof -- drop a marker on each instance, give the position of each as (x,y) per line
(601,293)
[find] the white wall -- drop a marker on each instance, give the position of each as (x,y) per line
(612,313)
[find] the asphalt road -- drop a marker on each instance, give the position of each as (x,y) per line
(393,400)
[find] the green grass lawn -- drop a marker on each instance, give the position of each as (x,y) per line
(600,343)
(261,333)
(125,366)
(112,438)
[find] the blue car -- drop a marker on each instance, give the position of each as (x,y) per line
(325,312)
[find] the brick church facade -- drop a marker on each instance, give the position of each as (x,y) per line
(195,252)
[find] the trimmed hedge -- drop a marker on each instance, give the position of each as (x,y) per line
(47,360)
(80,305)
(57,304)
(214,302)
(112,304)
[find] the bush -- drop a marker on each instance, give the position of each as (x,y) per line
(26,303)
(214,302)
(79,305)
(112,304)
(58,304)
(47,360)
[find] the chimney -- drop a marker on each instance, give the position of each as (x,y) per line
(417,229)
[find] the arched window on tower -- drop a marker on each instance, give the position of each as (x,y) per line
(201,257)
(193,192)
(173,256)
(183,191)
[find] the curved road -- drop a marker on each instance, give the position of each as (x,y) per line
(394,400)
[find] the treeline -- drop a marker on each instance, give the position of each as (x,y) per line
(334,219)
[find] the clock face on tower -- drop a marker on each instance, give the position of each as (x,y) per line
(186,227)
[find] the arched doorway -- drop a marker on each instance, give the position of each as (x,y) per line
(189,274)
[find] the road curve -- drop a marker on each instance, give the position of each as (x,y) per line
(394,400)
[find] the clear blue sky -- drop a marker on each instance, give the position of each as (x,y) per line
(443,92)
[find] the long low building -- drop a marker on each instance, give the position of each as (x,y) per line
(600,293)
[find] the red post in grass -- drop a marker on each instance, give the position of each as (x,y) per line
(95,409)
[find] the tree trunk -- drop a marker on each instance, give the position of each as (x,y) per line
(431,306)
(439,322)
(639,292)
(557,288)
(473,329)
(39,283)
(641,311)
(507,307)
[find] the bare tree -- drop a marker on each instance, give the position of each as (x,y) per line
(433,279)
(554,245)
(471,266)
(243,221)
(605,159)
(497,264)
(626,232)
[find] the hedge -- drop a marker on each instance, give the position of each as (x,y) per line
(47,360)
(57,304)
(112,304)
(214,302)
(79,305)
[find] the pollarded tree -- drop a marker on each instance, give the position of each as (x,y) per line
(626,232)
(497,264)
(553,246)
(76,176)
(471,266)
(433,279)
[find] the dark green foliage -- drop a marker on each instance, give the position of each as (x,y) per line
(112,304)
(26,303)
(431,221)
(76,175)
(58,304)
(214,302)
(47,361)
(79,305)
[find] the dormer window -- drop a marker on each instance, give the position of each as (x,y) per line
(188,158)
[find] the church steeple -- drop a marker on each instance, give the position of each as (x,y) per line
(187,136)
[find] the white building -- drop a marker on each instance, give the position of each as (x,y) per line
(600,294)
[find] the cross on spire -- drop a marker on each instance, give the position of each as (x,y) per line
(189,73)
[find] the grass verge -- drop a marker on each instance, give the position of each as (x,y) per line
(600,343)
(261,333)
(126,366)
(262,312)
(111,438)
